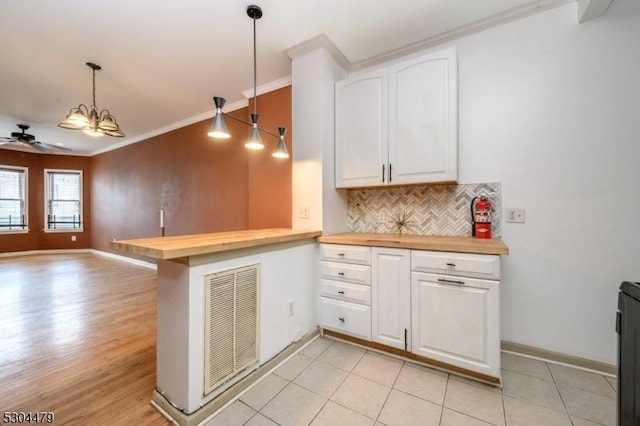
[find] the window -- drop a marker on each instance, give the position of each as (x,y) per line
(63,200)
(13,199)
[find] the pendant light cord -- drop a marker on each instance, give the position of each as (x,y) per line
(93,105)
(254,68)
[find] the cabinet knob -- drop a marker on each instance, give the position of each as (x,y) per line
(341,319)
(340,292)
(341,274)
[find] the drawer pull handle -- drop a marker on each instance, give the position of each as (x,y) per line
(341,319)
(446,281)
(341,254)
(341,274)
(453,265)
(341,292)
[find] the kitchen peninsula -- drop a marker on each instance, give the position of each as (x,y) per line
(227,303)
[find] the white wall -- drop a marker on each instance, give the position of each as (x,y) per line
(313,74)
(551,108)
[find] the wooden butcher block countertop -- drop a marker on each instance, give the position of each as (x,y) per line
(197,244)
(421,242)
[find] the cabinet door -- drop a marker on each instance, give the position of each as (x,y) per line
(423,119)
(361,130)
(456,320)
(391,297)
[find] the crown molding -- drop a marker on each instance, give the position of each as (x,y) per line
(268,87)
(471,28)
(317,42)
(174,126)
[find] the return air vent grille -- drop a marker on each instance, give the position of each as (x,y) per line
(231,324)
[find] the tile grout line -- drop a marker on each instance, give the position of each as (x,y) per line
(284,378)
(377,419)
(564,404)
(336,389)
(444,398)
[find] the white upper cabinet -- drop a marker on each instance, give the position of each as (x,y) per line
(398,124)
(361,129)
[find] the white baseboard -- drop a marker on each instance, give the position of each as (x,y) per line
(126,259)
(52,251)
(75,251)
(559,358)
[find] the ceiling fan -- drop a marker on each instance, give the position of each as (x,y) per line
(30,140)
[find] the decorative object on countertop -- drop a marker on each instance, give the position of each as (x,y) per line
(402,221)
(88,120)
(435,209)
(218,128)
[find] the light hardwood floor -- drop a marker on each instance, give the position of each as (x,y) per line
(78,338)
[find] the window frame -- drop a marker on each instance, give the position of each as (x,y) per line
(47,184)
(25,193)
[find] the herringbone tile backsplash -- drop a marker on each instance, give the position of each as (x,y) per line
(432,210)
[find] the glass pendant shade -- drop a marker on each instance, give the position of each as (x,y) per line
(109,123)
(75,120)
(254,141)
(281,149)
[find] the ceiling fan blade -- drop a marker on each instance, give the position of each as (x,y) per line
(5,139)
(48,145)
(38,146)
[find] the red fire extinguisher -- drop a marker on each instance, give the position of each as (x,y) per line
(481,217)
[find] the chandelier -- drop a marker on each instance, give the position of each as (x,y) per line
(219,128)
(88,119)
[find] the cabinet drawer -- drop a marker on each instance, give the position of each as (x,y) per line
(344,291)
(346,253)
(359,274)
(346,317)
(463,264)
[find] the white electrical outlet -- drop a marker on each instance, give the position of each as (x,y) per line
(381,217)
(304,212)
(73,238)
(516,215)
(290,303)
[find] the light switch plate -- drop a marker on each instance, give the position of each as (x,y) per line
(516,215)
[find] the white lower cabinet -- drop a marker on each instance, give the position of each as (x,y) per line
(455,320)
(441,306)
(346,317)
(345,289)
(391,297)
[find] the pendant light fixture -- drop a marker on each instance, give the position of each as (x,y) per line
(88,120)
(218,128)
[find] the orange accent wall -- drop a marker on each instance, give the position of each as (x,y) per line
(270,178)
(36,238)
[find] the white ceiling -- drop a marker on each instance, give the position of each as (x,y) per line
(164,60)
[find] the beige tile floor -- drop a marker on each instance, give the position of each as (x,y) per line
(334,383)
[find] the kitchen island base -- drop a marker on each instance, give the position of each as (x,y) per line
(227,303)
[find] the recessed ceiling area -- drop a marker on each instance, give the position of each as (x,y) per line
(162,62)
